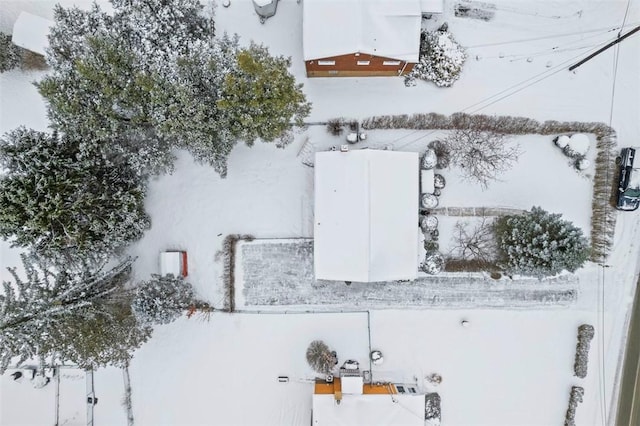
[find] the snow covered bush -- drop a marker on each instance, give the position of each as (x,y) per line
(433,264)
(575,146)
(441,59)
(320,357)
(152,74)
(432,410)
(443,155)
(78,314)
(335,126)
(63,198)
(482,155)
(9,53)
(539,243)
(585,335)
(429,159)
(575,397)
(162,299)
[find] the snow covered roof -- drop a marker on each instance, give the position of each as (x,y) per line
(366,215)
(352,385)
(171,263)
(369,409)
(390,29)
(30,32)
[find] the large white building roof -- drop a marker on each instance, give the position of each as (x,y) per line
(366,215)
(368,409)
(30,32)
(384,28)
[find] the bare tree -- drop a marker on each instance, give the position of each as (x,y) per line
(319,357)
(474,243)
(482,155)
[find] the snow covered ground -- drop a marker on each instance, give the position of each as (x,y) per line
(277,275)
(508,367)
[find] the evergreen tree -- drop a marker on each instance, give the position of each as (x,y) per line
(153,72)
(260,98)
(9,53)
(163,299)
(80,315)
(441,59)
(63,197)
(540,243)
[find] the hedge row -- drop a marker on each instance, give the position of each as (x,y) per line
(585,334)
(432,406)
(603,220)
(228,256)
(575,397)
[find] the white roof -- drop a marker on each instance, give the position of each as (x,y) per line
(369,409)
(30,32)
(170,263)
(366,215)
(351,384)
(390,29)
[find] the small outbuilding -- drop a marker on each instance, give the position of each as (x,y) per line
(366,215)
(174,262)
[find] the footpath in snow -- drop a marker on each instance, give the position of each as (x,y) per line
(278,274)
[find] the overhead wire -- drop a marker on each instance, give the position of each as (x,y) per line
(510,91)
(525,40)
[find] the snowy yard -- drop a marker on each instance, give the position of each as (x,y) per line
(229,366)
(510,367)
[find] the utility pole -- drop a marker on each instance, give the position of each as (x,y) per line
(599,51)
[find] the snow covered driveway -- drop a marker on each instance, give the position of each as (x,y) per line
(278,274)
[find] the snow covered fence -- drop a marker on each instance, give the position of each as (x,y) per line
(585,334)
(227,255)
(575,397)
(603,221)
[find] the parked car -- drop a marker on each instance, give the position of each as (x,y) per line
(629,183)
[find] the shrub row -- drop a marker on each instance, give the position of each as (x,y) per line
(603,220)
(585,334)
(575,397)
(228,256)
(432,406)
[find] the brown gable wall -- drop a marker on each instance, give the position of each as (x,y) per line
(347,66)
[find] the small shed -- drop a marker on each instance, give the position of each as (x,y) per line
(174,262)
(31,32)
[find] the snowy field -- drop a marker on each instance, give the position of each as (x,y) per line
(510,367)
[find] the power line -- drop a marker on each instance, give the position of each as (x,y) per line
(599,51)
(600,30)
(507,93)
(626,12)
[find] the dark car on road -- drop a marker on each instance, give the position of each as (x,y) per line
(629,183)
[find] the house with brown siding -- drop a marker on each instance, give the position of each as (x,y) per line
(346,38)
